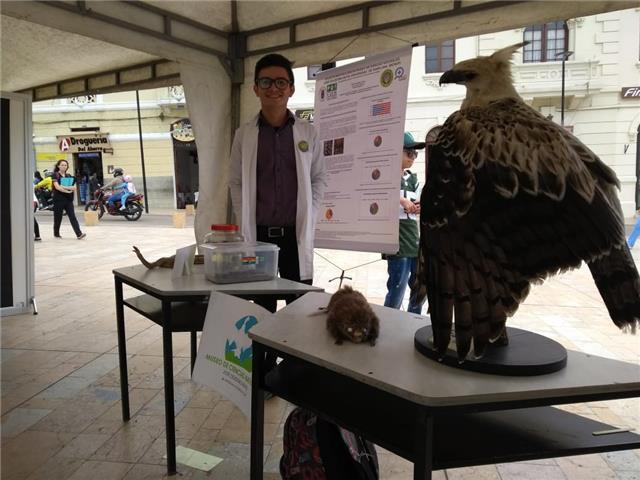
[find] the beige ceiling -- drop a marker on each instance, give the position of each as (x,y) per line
(34,54)
(251,14)
(216,14)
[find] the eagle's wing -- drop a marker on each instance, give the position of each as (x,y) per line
(510,198)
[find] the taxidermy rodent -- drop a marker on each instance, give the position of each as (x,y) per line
(349,317)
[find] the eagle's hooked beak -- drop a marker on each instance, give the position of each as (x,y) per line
(456,76)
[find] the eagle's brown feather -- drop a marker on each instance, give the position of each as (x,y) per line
(510,199)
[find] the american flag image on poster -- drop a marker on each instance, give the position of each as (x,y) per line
(381,109)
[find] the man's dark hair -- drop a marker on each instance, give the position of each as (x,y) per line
(274,60)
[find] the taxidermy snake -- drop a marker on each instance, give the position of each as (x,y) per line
(164,262)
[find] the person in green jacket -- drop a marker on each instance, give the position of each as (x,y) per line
(402,266)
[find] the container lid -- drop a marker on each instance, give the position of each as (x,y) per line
(219,227)
(230,247)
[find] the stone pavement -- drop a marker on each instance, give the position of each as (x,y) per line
(60,383)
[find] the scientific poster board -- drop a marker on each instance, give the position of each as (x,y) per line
(360,115)
(16,202)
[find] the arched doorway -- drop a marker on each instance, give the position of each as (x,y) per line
(429,140)
(185,160)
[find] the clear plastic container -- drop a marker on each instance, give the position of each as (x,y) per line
(222,233)
(238,262)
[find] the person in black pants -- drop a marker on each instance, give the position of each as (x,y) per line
(63,188)
(36,227)
(277,176)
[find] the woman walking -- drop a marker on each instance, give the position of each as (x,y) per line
(63,188)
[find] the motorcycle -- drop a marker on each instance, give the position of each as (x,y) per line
(45,199)
(100,204)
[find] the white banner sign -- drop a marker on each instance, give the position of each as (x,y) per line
(360,113)
(87,142)
(225,356)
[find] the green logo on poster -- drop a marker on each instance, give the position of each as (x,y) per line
(386,78)
(238,350)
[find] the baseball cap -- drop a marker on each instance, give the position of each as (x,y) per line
(410,143)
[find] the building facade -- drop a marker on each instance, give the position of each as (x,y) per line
(169,148)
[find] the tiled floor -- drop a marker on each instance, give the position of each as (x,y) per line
(60,382)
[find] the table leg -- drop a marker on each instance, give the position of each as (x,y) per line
(122,351)
(194,349)
(423,465)
(169,412)
(257,413)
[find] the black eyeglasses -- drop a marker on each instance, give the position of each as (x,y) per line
(266,82)
(413,154)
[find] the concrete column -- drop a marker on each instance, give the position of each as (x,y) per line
(208,96)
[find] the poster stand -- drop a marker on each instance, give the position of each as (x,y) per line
(344,270)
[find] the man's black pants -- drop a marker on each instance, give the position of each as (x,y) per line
(288,266)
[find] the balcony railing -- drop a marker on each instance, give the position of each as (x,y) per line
(534,79)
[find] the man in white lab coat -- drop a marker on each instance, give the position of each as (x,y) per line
(277,176)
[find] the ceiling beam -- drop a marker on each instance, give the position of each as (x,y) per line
(365,8)
(174,17)
(318,16)
(81,9)
(144,75)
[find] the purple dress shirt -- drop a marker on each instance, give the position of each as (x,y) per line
(276,178)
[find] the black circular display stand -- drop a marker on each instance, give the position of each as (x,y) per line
(526,354)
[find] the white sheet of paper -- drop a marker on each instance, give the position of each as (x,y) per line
(183,264)
(193,458)
(360,111)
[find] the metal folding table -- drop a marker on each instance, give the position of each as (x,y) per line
(179,305)
(434,415)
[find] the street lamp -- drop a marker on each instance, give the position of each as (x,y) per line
(565,56)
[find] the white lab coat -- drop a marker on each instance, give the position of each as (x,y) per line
(310,170)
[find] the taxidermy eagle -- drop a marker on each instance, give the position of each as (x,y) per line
(511,198)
